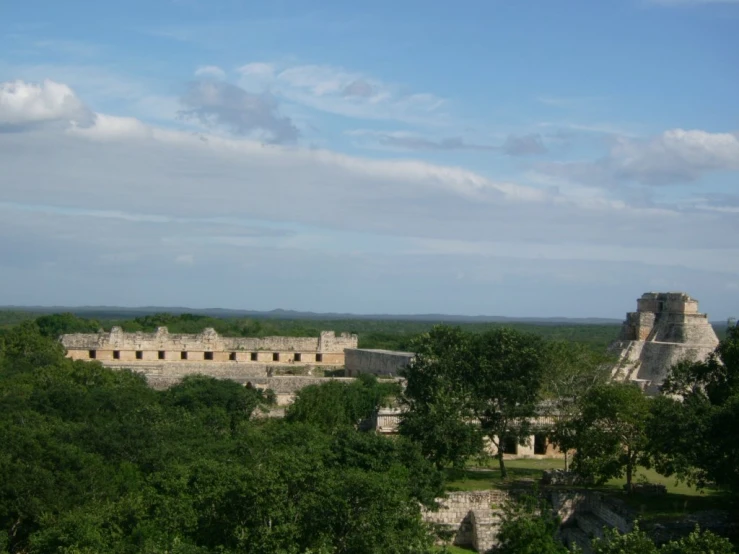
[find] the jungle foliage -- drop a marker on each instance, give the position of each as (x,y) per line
(93,460)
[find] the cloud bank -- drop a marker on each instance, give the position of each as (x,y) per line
(23,104)
(120,201)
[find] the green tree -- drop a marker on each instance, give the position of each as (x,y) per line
(609,433)
(504,377)
(529,526)
(491,380)
(335,404)
(699,543)
(638,542)
(634,542)
(216,399)
(572,369)
(688,430)
(436,398)
(53,325)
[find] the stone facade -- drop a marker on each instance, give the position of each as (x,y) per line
(584,516)
(472,518)
(665,329)
(161,347)
(386,420)
(377,362)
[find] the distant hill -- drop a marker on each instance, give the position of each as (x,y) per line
(117,312)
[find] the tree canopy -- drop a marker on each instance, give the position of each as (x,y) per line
(462,386)
(93,460)
(609,432)
(693,429)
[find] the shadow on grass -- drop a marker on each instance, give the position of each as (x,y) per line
(485,479)
(671,505)
(677,503)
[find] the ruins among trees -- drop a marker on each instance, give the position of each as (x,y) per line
(183,443)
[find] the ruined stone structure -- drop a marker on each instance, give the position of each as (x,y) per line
(378,362)
(585,515)
(665,328)
(163,348)
(537,445)
(165,359)
(472,518)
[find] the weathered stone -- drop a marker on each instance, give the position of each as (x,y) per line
(562,477)
(648,489)
(666,329)
(377,362)
(164,348)
(472,518)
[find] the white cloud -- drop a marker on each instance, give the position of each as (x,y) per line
(258,69)
(347,93)
(673,157)
(99,84)
(185,259)
(24,103)
(177,174)
(513,145)
(112,127)
(242,112)
(155,195)
(210,71)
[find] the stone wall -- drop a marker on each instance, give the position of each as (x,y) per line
(208,346)
(456,511)
(377,362)
(585,515)
(386,420)
(666,329)
(485,528)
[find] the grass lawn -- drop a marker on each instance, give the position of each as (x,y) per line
(680,499)
(488,476)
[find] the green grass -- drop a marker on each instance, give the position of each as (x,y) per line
(681,499)
(487,475)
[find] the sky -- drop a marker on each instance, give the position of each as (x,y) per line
(529,158)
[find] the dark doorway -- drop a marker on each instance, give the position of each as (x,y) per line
(540,444)
(510,445)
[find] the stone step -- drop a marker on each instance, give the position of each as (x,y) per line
(591,524)
(575,536)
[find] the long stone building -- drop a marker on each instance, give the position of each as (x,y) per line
(166,358)
(160,346)
(665,329)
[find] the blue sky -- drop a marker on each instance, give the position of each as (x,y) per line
(529,158)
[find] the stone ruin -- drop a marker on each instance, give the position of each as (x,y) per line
(166,358)
(208,346)
(666,328)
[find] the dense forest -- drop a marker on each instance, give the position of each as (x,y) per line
(386,334)
(95,461)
